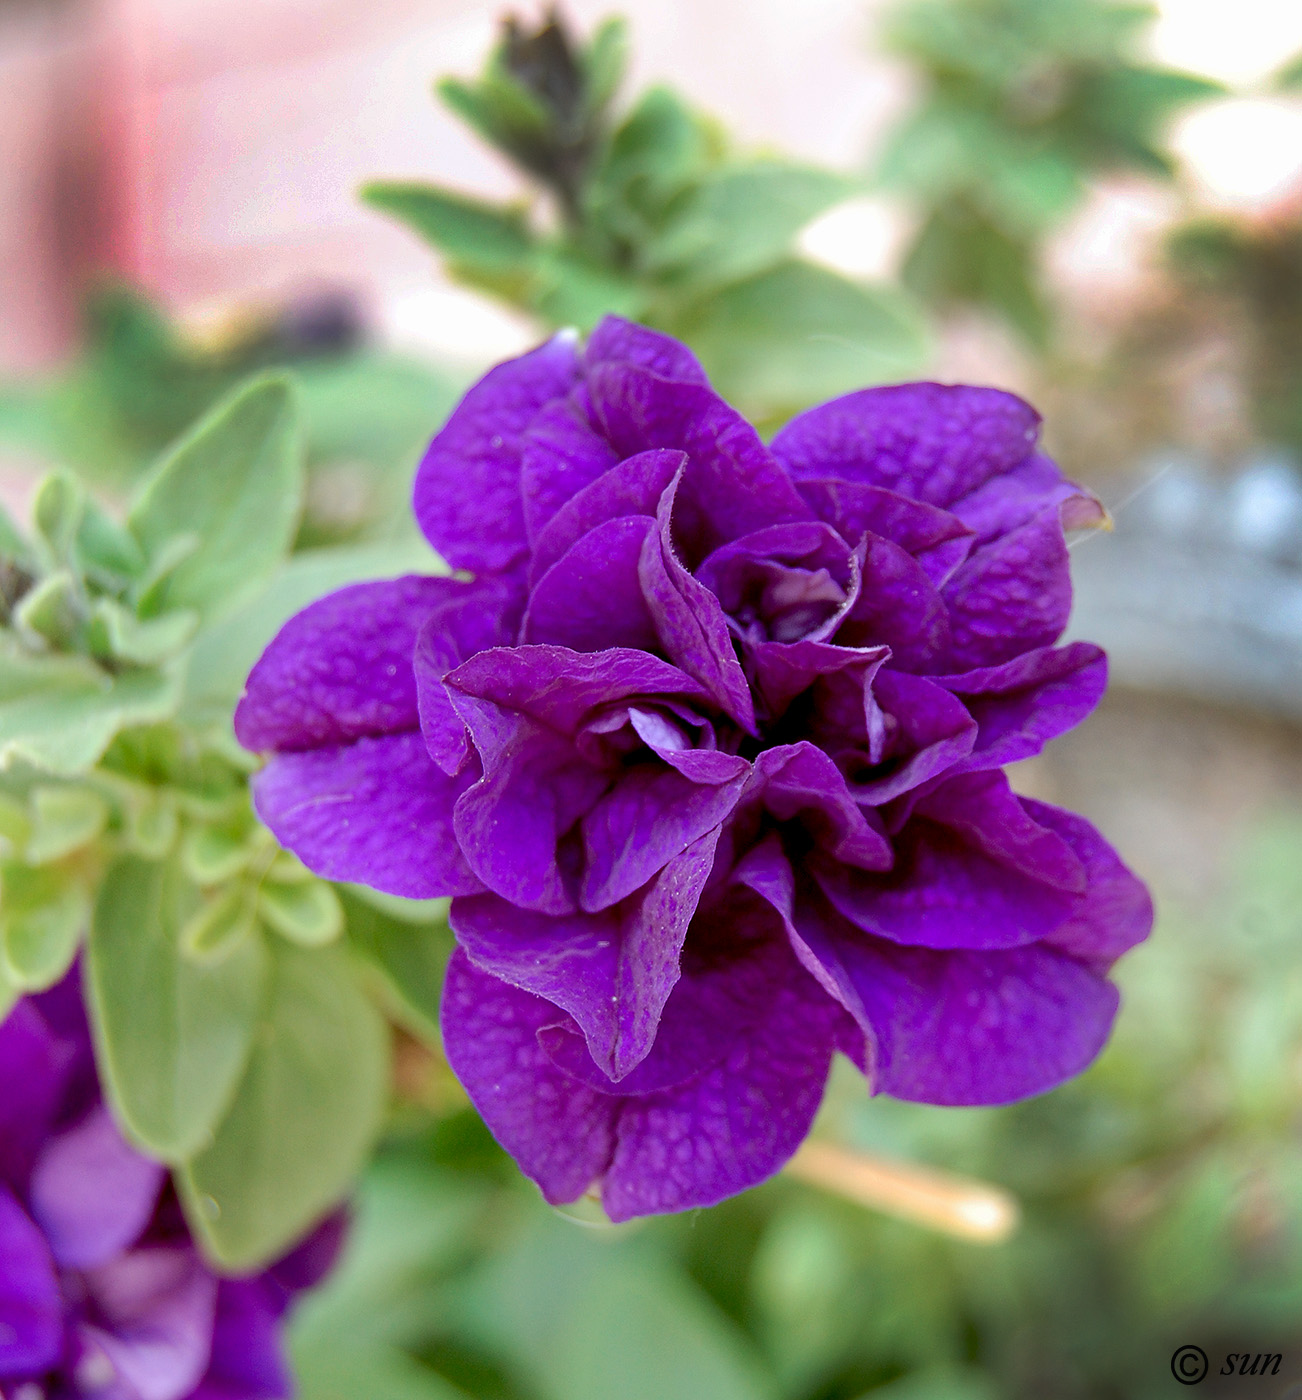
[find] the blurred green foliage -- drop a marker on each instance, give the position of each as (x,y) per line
(229,987)
(655,216)
(1162,1194)
(1252,277)
(1022,102)
(139,381)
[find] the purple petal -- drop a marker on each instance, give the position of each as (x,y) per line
(691,623)
(933,442)
(732,485)
(562,456)
(1006,502)
(467,493)
(378,812)
(938,540)
(800,782)
(341,669)
(983,809)
(651,815)
(34,1070)
(632,487)
(155,1309)
(962,888)
(481,616)
(591,598)
(785,583)
(558,687)
(310,1260)
(926,731)
(624,342)
(31,1311)
(979,1028)
(736,1124)
(1019,706)
(247,1361)
(1115,912)
(509,825)
(784,670)
(561,1132)
(898,606)
(610,971)
(92,1193)
(1011,596)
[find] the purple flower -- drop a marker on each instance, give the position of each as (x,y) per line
(103,1295)
(708,752)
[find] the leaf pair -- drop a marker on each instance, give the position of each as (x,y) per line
(260,1075)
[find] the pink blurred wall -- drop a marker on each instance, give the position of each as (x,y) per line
(210,148)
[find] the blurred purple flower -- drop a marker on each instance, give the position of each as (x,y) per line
(708,752)
(103,1294)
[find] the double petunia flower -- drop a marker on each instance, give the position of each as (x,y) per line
(706,743)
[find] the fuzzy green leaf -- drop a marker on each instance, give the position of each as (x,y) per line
(235,485)
(303,1119)
(173,1035)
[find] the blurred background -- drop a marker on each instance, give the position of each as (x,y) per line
(1094,204)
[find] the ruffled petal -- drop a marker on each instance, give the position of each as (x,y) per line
(562,455)
(341,669)
(467,492)
(933,442)
(1013,595)
(1115,912)
(378,812)
(898,606)
(591,598)
(631,487)
(736,1124)
(560,1132)
(937,539)
(623,342)
(611,971)
(1019,706)
(1005,502)
(978,1028)
(731,486)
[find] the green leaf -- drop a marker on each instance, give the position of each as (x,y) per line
(116,633)
(52,610)
(485,238)
(41,926)
(306,913)
(59,713)
(789,337)
(9,992)
(589,1318)
(304,1117)
(13,544)
(215,931)
(211,855)
(337,1372)
(63,819)
(236,481)
(106,549)
(56,513)
(604,61)
(743,219)
(409,946)
(173,1035)
(151,822)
